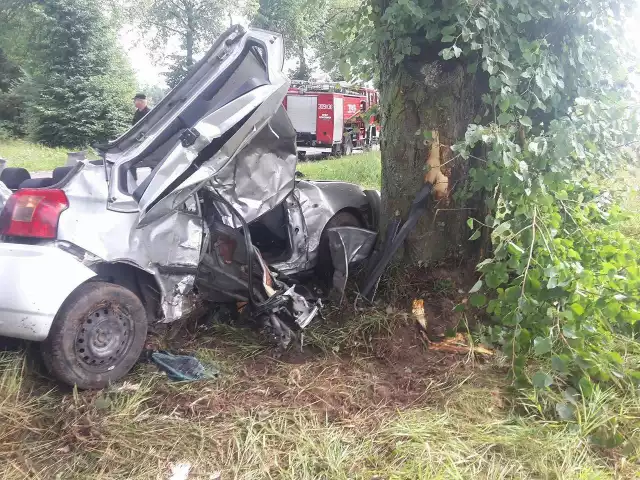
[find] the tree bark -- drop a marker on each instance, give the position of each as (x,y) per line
(189,35)
(427,94)
(302,72)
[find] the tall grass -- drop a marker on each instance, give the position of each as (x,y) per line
(145,425)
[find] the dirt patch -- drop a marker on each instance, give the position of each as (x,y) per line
(337,387)
(362,358)
(396,371)
(441,288)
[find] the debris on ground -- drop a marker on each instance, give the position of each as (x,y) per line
(459,344)
(127,386)
(183,368)
(420,317)
(180,471)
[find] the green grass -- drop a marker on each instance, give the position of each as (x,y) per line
(363,169)
(33,157)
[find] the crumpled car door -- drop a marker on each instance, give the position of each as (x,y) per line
(231,100)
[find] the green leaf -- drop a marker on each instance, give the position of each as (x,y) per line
(470,222)
(500,229)
(505,118)
(577,309)
(448,30)
(476,287)
(447,54)
(559,364)
(571,395)
(457,51)
(542,380)
(569,332)
(514,249)
(565,411)
(523,17)
(478,300)
(481,23)
(586,387)
(459,308)
(542,345)
(102,403)
(484,263)
(475,236)
(526,121)
(615,357)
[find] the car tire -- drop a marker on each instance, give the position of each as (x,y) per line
(96,337)
(324,266)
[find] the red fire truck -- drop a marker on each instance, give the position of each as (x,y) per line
(331,116)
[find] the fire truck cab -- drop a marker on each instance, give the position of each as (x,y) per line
(332,116)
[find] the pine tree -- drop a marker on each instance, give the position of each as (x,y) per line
(12,115)
(84,87)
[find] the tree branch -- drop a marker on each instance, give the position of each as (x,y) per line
(533,241)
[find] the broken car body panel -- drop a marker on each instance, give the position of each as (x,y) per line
(348,246)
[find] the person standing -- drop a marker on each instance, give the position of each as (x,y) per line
(140,101)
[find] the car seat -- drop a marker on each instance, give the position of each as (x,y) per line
(13,177)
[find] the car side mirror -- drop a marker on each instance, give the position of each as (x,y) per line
(299,174)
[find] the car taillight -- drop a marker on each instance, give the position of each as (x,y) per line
(33,212)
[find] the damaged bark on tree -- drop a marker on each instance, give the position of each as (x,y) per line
(427,104)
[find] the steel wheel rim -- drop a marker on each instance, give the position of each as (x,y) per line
(104,338)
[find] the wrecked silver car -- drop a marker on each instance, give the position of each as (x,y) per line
(199,201)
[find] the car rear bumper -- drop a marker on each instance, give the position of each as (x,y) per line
(34,282)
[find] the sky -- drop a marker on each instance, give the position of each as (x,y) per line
(146,72)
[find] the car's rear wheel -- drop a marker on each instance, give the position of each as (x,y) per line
(97,336)
(324,266)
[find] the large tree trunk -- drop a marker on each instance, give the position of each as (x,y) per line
(189,35)
(302,73)
(426,94)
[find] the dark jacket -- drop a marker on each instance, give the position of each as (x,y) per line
(139,115)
